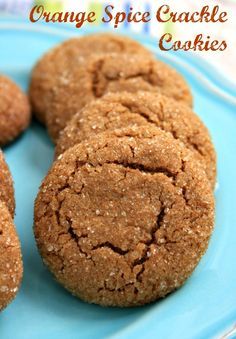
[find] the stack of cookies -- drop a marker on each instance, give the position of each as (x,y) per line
(127,209)
(14,119)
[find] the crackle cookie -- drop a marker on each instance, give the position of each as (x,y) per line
(11,267)
(118,110)
(6,185)
(101,74)
(14,111)
(123,218)
(44,76)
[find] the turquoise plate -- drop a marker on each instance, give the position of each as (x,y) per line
(205,307)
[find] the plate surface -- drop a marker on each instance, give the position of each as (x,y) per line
(205,307)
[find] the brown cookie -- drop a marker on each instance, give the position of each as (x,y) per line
(6,185)
(14,111)
(101,74)
(11,267)
(123,218)
(44,76)
(118,110)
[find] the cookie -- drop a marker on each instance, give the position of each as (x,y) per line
(44,75)
(11,268)
(118,110)
(6,185)
(14,111)
(123,218)
(101,74)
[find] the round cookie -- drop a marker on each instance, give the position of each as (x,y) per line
(11,267)
(101,74)
(14,111)
(61,57)
(118,110)
(6,185)
(123,218)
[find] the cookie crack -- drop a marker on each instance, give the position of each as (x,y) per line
(135,165)
(153,77)
(132,165)
(76,239)
(140,261)
(195,146)
(70,230)
(96,74)
(129,165)
(148,243)
(73,234)
(110,246)
(189,141)
(57,212)
(132,109)
(100,80)
(184,189)
(144,169)
(120,289)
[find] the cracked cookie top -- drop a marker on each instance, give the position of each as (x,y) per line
(14,111)
(123,218)
(63,56)
(119,110)
(100,74)
(6,185)
(11,267)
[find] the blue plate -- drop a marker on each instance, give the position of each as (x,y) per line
(206,306)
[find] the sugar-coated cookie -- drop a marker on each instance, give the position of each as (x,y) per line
(14,111)
(118,110)
(44,76)
(123,218)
